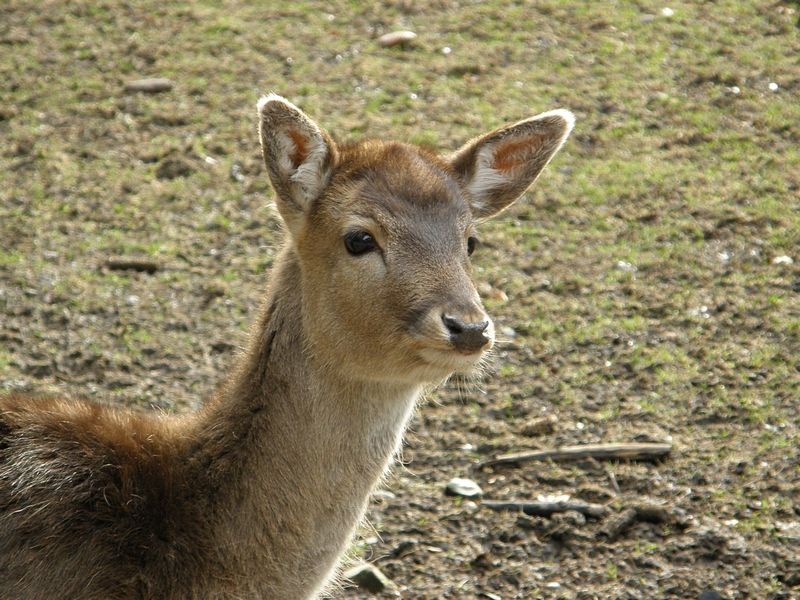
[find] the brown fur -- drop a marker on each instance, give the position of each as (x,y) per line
(257,495)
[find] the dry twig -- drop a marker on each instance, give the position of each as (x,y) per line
(545,509)
(637,451)
(131,264)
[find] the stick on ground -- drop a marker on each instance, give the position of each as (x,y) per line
(545,509)
(642,452)
(131,264)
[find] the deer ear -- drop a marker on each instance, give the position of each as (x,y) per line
(299,156)
(497,168)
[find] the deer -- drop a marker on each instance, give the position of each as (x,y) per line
(258,494)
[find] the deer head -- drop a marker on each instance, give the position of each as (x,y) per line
(383,233)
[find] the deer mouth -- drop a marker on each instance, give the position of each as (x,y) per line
(466,352)
(449,342)
(452,360)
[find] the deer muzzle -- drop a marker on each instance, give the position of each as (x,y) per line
(467,337)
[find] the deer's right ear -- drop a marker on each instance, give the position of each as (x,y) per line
(299,156)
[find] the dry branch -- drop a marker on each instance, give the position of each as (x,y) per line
(545,509)
(131,264)
(596,451)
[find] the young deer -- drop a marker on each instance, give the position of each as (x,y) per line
(258,495)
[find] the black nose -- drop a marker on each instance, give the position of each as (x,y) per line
(467,337)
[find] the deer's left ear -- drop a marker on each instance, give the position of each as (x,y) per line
(498,167)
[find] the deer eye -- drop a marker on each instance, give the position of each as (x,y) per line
(359,242)
(472,243)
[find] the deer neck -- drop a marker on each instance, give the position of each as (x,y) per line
(297,449)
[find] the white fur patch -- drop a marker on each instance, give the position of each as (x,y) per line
(564,114)
(486,179)
(310,177)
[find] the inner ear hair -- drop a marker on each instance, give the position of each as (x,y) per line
(497,168)
(298,153)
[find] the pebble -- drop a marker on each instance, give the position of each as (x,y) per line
(150,86)
(463,487)
(553,586)
(782,260)
(383,496)
(710,595)
(236,174)
(396,38)
(625,266)
(369,578)
(508,332)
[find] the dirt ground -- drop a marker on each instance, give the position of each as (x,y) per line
(646,289)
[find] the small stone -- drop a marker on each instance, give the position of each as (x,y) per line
(667,12)
(369,578)
(396,38)
(710,595)
(150,86)
(782,260)
(647,18)
(553,585)
(773,87)
(236,174)
(383,496)
(625,266)
(463,487)
(508,332)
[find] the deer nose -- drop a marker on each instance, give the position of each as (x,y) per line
(466,337)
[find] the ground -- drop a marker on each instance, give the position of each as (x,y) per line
(646,288)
